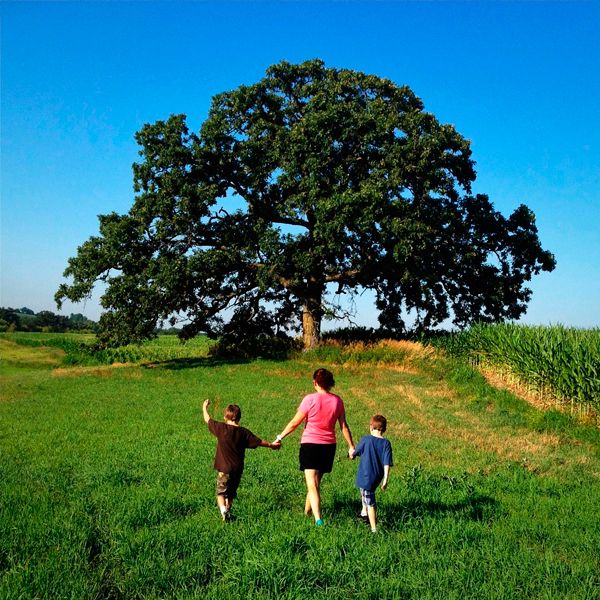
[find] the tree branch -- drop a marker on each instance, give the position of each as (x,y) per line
(344,276)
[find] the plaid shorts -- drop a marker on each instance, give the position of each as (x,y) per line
(368,497)
(227,484)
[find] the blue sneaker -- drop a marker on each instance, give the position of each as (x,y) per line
(319,522)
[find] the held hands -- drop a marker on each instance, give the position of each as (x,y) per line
(276,445)
(351,453)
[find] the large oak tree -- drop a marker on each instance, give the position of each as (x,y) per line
(310,179)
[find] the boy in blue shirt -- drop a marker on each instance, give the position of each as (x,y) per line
(374,469)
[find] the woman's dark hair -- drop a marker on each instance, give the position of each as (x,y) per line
(233,413)
(324,378)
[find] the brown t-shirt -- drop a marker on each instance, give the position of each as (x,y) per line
(232,442)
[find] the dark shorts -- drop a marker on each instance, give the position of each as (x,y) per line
(227,484)
(317,456)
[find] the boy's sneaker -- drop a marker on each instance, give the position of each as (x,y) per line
(364,518)
(319,522)
(226,516)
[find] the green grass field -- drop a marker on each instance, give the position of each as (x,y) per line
(107,486)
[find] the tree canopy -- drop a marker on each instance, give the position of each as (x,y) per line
(311,179)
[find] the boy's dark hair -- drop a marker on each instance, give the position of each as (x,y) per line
(233,413)
(324,378)
(378,422)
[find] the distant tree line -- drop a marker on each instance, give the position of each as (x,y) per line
(25,319)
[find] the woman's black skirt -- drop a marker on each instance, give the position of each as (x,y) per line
(317,456)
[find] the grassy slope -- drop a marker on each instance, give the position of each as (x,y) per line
(107,488)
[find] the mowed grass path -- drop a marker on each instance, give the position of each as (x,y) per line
(107,486)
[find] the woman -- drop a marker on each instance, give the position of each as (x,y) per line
(320,411)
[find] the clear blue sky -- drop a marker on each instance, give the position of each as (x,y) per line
(521,80)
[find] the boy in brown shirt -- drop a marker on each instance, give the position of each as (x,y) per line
(232,441)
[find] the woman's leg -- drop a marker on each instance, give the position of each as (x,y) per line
(307,506)
(313,488)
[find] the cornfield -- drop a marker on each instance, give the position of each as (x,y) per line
(557,361)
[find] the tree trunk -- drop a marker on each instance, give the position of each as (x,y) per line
(311,322)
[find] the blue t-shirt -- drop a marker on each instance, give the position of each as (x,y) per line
(375,452)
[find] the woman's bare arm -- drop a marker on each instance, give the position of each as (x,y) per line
(346,433)
(292,425)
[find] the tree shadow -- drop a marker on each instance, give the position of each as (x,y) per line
(179,364)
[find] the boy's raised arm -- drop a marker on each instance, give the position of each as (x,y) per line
(205,410)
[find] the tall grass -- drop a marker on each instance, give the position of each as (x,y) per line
(107,488)
(556,361)
(383,352)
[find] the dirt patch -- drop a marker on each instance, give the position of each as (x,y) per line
(530,448)
(398,401)
(415,349)
(96,371)
(431,409)
(366,397)
(471,430)
(29,356)
(404,369)
(409,394)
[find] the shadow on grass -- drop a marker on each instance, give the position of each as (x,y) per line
(179,364)
(476,508)
(396,514)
